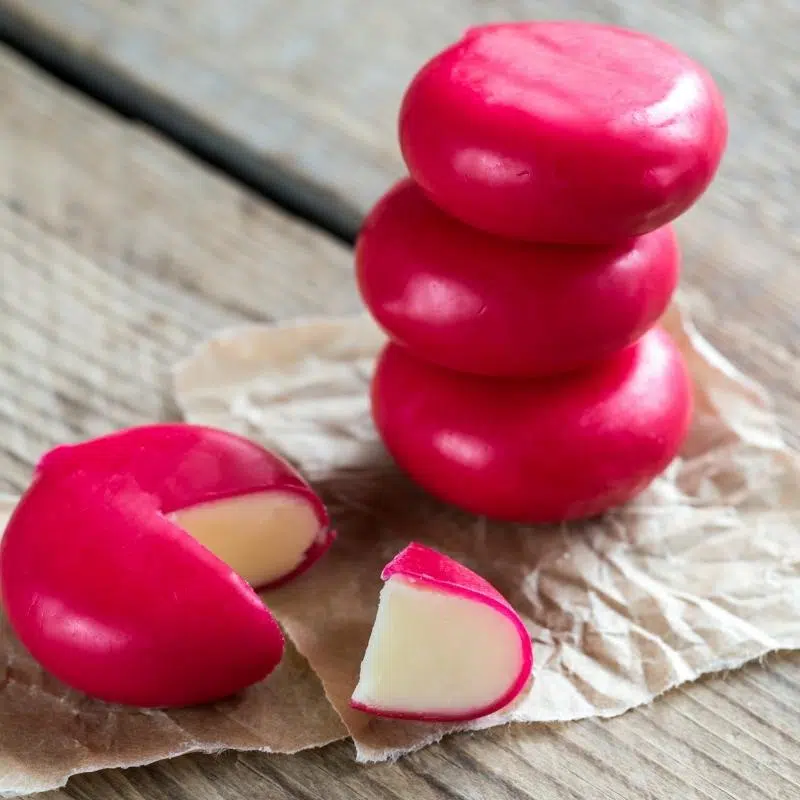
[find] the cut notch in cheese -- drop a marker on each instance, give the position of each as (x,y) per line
(438,654)
(261,536)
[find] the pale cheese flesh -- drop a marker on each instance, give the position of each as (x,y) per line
(262,536)
(432,651)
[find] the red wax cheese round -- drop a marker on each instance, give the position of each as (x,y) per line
(542,450)
(126,567)
(566,132)
(482,304)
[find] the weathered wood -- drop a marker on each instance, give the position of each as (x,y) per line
(119,254)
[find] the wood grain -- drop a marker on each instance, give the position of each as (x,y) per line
(118,254)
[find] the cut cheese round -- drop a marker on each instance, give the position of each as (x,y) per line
(128,568)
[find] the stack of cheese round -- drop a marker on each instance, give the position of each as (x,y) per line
(521,270)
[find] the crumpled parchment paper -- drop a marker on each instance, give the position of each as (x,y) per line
(49,732)
(701,573)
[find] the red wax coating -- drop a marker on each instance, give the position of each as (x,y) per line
(114,598)
(542,450)
(482,304)
(566,132)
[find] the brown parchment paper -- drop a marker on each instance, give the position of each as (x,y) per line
(701,573)
(48,732)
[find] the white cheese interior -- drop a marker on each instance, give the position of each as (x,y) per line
(435,652)
(260,536)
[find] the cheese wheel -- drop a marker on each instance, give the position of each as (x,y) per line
(563,132)
(536,450)
(482,304)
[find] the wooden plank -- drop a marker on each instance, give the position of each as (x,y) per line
(118,254)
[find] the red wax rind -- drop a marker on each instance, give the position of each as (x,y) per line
(564,132)
(542,450)
(482,304)
(114,598)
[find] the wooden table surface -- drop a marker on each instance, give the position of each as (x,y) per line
(253,135)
